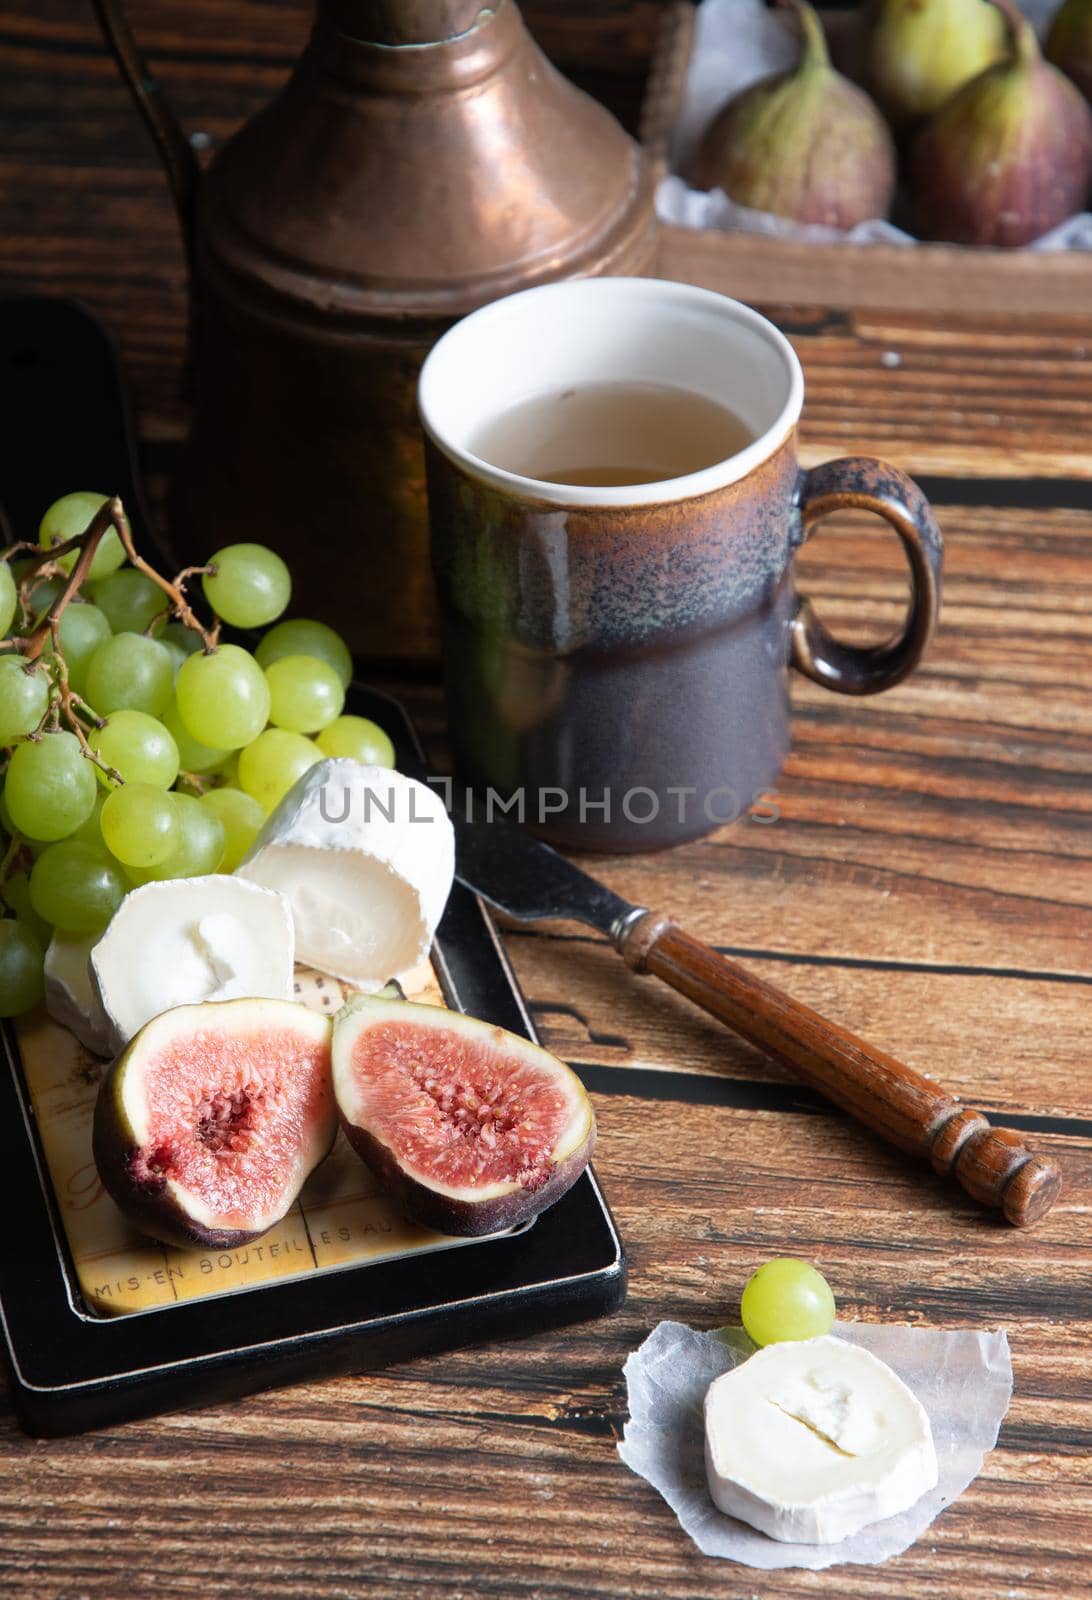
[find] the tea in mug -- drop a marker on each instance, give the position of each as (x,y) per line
(599,435)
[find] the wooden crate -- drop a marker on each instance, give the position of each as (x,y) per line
(932,277)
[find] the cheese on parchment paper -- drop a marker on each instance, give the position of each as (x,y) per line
(810,1440)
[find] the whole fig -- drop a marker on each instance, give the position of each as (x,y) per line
(1069,43)
(1009,157)
(919,52)
(805,144)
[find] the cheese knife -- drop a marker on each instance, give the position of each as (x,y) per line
(530,882)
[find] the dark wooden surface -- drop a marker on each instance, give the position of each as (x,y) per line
(927,883)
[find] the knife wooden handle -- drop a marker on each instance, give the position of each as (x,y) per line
(907,1109)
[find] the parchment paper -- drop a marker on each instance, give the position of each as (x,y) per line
(736,43)
(963,1379)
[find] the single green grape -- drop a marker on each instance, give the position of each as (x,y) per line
(140,824)
(138,747)
(130,673)
(192,755)
(70,516)
(786,1299)
(24,697)
(241,816)
(16,896)
(301,636)
(130,601)
(304,693)
(82,628)
(8,597)
(200,848)
(21,981)
(35,846)
(76,886)
(50,786)
(358,738)
(250,587)
(270,766)
(223,698)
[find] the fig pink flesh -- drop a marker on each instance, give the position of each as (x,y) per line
(236,1145)
(464,1115)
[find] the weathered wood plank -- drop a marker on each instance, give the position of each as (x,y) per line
(960,283)
(493,1472)
(1011,1044)
(970,394)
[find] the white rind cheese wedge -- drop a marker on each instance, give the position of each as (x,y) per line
(180,941)
(812,1439)
(366,857)
(70,995)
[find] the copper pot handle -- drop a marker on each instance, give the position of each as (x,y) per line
(175,151)
(863,484)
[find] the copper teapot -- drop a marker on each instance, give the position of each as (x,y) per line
(423,158)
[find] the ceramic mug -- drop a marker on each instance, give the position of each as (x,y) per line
(616,657)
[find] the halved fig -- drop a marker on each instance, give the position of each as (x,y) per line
(473,1129)
(208,1123)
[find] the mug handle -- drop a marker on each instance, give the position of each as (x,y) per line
(861,483)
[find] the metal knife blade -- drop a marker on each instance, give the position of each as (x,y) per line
(525,878)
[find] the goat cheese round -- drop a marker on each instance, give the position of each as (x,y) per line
(366,858)
(812,1439)
(180,941)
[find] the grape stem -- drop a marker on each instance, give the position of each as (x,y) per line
(68,705)
(86,543)
(180,582)
(195,782)
(65,706)
(174,590)
(39,570)
(111,514)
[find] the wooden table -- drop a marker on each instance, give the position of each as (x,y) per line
(927,882)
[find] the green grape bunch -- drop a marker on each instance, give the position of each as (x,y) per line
(135,745)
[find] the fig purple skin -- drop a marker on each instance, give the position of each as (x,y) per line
(1008,158)
(208,1123)
(1069,43)
(806,144)
(465,1218)
(471,1129)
